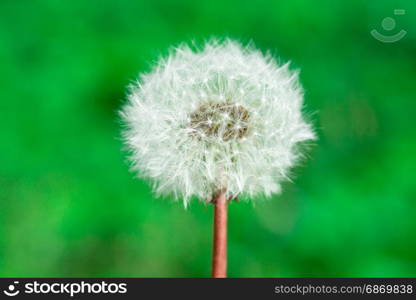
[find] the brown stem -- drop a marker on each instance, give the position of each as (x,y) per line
(219,258)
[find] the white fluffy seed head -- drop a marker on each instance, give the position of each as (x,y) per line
(225,117)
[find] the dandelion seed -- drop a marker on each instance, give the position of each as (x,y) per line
(276,121)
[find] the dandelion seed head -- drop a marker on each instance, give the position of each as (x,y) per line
(224,117)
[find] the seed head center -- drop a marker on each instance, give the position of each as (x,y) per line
(226,120)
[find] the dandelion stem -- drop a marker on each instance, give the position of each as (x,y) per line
(219,258)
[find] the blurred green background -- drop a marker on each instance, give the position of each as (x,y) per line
(70,207)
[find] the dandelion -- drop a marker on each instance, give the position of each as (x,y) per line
(216,124)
